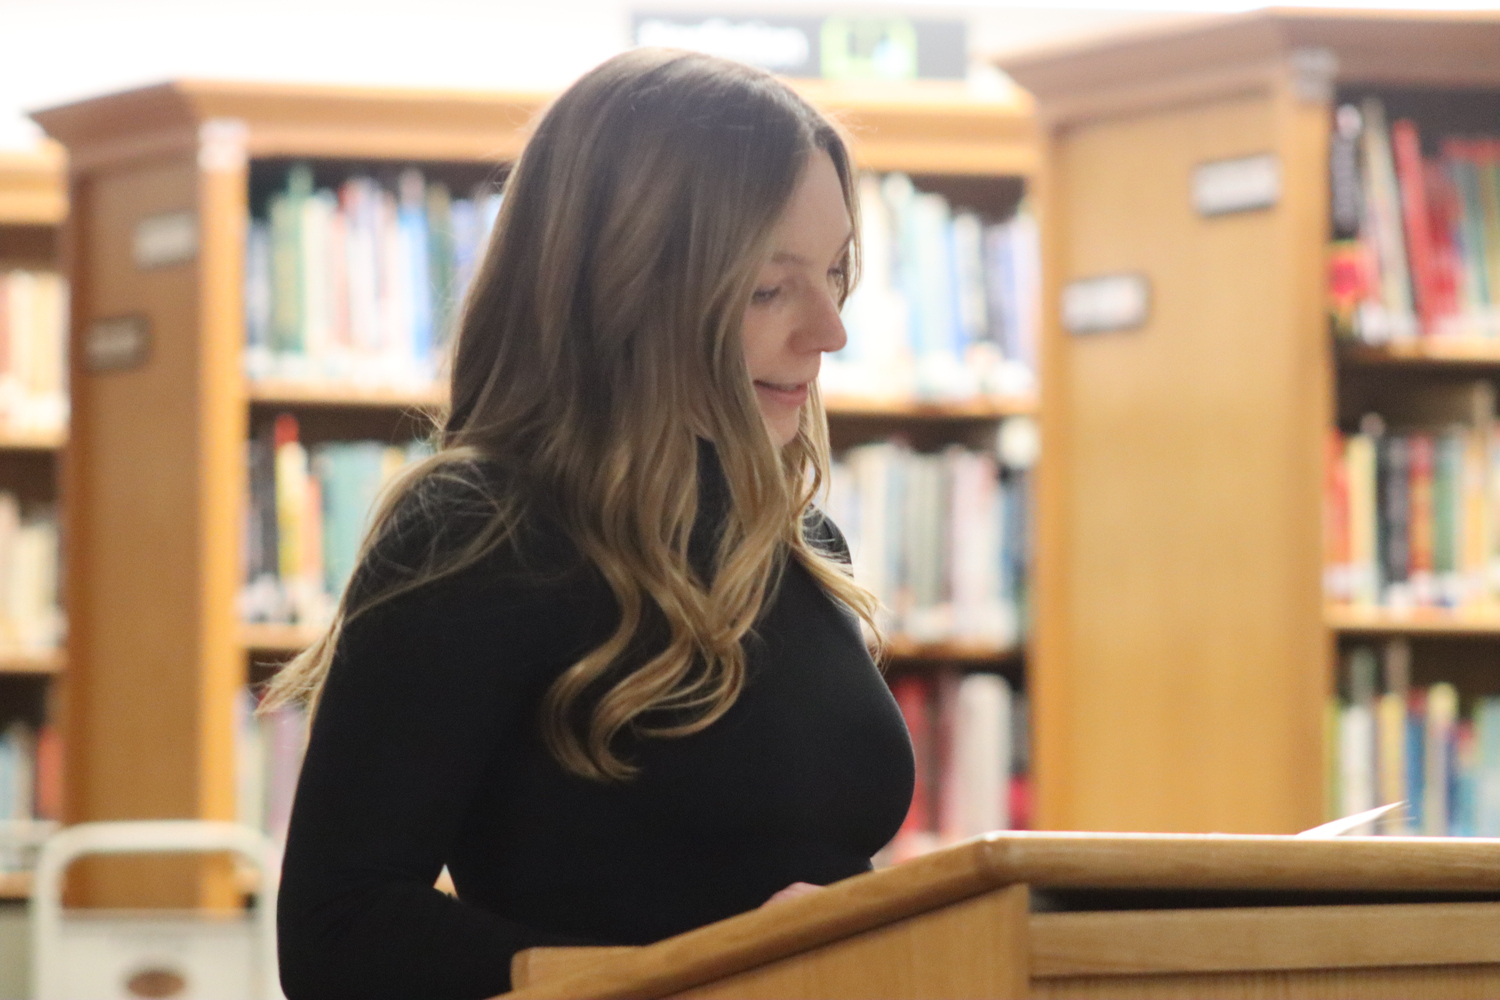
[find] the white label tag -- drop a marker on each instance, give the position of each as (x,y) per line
(165,239)
(1108,302)
(117,343)
(1240,185)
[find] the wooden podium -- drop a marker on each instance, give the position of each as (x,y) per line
(1093,915)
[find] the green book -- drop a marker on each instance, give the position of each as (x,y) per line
(288,294)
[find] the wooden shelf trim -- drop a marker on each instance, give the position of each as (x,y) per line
(1416,621)
(981,408)
(31,663)
(15,885)
(902,648)
(1426,351)
(276,639)
(279,392)
(32,440)
(931,127)
(294,393)
(32,187)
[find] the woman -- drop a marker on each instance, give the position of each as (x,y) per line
(601,657)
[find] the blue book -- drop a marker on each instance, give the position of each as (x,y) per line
(412,224)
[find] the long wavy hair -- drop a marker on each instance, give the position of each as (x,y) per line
(599,343)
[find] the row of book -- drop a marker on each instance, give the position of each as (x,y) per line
(940,538)
(33,352)
(1412,517)
(308,512)
(969,736)
(31,620)
(1416,239)
(268,759)
(30,791)
(1393,742)
(947,305)
(361,284)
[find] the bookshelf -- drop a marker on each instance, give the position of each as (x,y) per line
(33,207)
(1183,655)
(156,475)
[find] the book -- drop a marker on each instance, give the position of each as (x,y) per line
(1412,510)
(1414,237)
(363,283)
(942,539)
(1426,746)
(309,509)
(269,748)
(968,737)
(946,304)
(33,352)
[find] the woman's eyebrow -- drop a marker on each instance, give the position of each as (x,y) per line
(788,257)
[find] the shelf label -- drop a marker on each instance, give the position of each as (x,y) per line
(1106,303)
(165,239)
(116,344)
(1244,184)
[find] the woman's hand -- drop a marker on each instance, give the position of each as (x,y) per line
(792,892)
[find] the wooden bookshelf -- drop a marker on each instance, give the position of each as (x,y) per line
(156,471)
(1182,654)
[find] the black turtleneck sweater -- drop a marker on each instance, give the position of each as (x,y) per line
(426,752)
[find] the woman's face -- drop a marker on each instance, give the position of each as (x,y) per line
(793,315)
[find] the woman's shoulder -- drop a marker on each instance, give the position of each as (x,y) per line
(822,534)
(470,513)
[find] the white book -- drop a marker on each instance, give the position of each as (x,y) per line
(1357,759)
(981,761)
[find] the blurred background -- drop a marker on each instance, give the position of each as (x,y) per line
(1165,431)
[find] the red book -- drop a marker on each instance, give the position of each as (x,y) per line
(1446,208)
(49,763)
(1020,802)
(1336,551)
(914,698)
(1407,150)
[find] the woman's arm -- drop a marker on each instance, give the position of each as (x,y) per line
(409,722)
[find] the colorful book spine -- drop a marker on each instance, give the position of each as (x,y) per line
(30,791)
(309,509)
(1415,239)
(946,306)
(942,539)
(1430,747)
(969,740)
(1412,517)
(361,284)
(268,758)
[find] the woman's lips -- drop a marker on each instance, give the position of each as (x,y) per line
(784,393)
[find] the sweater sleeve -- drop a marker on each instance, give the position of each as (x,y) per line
(420,691)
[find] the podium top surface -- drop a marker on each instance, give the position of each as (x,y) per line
(1180,862)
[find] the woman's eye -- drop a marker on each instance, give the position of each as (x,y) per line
(763,295)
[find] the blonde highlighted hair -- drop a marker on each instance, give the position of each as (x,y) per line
(599,344)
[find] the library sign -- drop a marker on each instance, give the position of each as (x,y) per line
(835,47)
